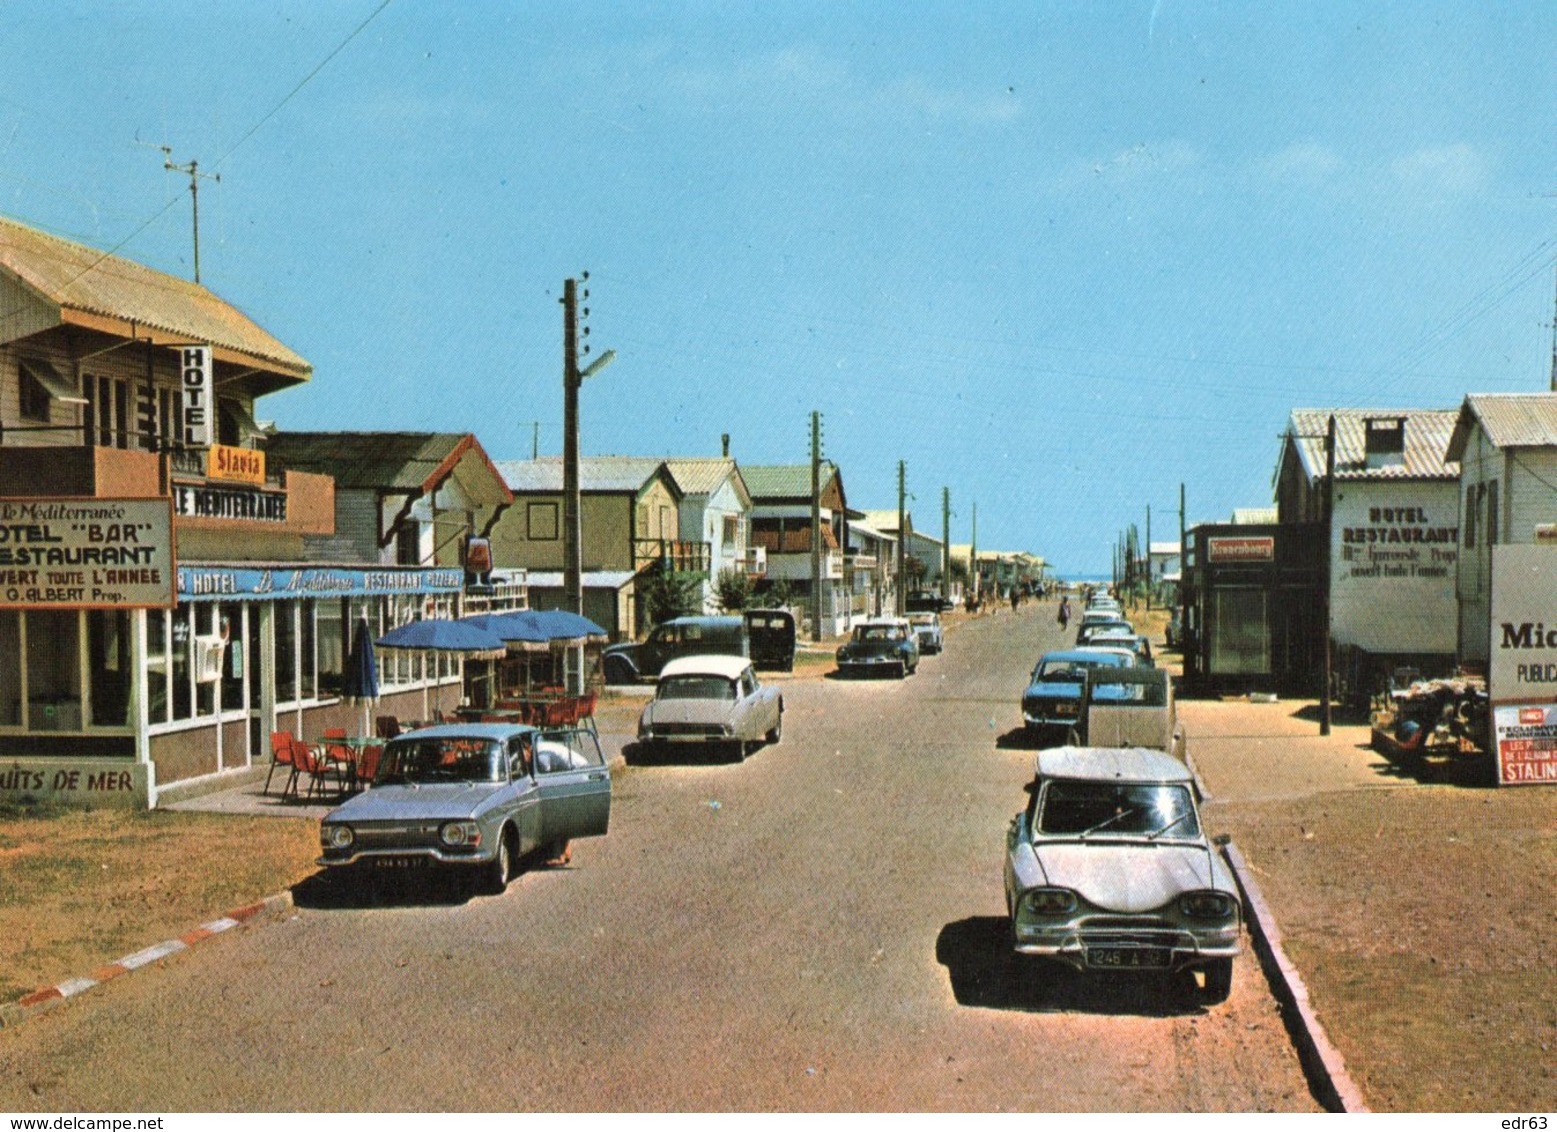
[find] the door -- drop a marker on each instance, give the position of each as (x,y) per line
(575,786)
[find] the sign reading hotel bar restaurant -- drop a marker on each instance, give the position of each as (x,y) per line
(243,465)
(1241,548)
(199,401)
(1522,666)
(70,553)
(1392,567)
(221,583)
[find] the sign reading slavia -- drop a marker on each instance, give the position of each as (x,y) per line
(214,583)
(86,554)
(196,378)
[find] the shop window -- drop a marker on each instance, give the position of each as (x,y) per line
(205,629)
(309,662)
(408,544)
(53,670)
(231,627)
(178,653)
(330,645)
(1492,513)
(108,643)
(286,652)
(1239,633)
(1470,516)
(732,528)
(10,668)
(157,666)
(541,519)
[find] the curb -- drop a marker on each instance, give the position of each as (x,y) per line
(45,999)
(1322,1063)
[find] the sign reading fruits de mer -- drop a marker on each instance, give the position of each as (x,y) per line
(86,554)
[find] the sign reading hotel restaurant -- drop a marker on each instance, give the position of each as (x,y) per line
(220,583)
(1526,744)
(199,402)
(1392,567)
(243,465)
(216,501)
(1242,548)
(1522,657)
(86,554)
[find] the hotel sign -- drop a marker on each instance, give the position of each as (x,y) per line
(86,554)
(243,465)
(1242,548)
(216,501)
(199,403)
(221,583)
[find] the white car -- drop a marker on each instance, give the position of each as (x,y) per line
(701,700)
(927,627)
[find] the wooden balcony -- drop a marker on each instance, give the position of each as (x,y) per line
(671,554)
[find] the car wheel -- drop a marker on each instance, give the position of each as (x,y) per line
(902,669)
(775,735)
(1219,980)
(500,867)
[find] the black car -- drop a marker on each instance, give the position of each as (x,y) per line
(627,663)
(926,601)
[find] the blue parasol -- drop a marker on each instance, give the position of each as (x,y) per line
(460,638)
(359,683)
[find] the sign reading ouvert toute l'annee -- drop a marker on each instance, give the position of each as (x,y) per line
(1522,669)
(70,553)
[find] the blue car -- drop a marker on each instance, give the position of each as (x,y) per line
(1051,706)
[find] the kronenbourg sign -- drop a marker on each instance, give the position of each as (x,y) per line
(199,386)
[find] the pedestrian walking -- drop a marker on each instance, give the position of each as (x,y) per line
(1064,612)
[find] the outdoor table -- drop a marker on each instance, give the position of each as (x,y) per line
(353,745)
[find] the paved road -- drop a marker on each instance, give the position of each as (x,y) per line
(819,928)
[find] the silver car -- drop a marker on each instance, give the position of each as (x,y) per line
(1108,869)
(712,699)
(472,798)
(927,627)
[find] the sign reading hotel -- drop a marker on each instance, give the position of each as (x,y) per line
(86,554)
(1393,559)
(1243,548)
(242,465)
(216,583)
(199,386)
(1526,744)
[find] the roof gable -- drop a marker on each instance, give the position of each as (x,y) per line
(1510,420)
(1426,455)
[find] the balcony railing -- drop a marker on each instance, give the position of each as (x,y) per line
(754,562)
(671,554)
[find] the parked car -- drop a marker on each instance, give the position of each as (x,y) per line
(880,645)
(771,636)
(1051,705)
(927,601)
(927,627)
(712,699)
(1095,620)
(1121,637)
(1103,603)
(1109,869)
(471,798)
(629,662)
(1130,707)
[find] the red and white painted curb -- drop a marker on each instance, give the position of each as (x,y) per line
(46,998)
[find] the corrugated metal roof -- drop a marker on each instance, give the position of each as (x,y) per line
(699,476)
(76,277)
(1426,443)
(1511,420)
(595,473)
(783,481)
(394,461)
(1253,516)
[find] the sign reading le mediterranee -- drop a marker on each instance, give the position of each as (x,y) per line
(213,583)
(86,554)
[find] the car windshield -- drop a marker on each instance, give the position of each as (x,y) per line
(445,758)
(1123,692)
(877,633)
(695,688)
(1124,809)
(1072,671)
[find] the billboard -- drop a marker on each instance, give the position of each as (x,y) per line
(86,554)
(1522,652)
(1526,737)
(1393,559)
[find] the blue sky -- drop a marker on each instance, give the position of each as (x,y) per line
(1057,257)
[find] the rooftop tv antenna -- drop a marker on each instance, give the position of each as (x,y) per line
(192,167)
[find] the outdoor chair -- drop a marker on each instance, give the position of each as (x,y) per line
(333,746)
(281,755)
(315,766)
(367,766)
(386,726)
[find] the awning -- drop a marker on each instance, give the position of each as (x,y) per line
(52,381)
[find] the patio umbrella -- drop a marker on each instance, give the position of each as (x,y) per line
(359,683)
(563,625)
(449,638)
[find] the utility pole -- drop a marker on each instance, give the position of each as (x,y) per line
(902,540)
(1183,586)
(973,554)
(1324,694)
(1148,558)
(573,379)
(816,526)
(945,543)
(193,169)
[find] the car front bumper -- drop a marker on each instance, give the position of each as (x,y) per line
(1144,949)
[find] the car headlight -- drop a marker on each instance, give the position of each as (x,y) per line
(1050,901)
(336,836)
(460,834)
(1206,905)
(842,654)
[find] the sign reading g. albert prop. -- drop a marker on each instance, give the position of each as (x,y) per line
(86,554)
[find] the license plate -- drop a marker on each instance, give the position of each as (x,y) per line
(1128,958)
(408,862)
(1065,709)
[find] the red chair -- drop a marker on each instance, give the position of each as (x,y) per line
(315,766)
(367,766)
(281,755)
(333,746)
